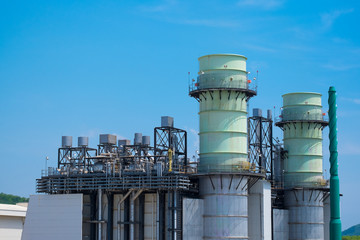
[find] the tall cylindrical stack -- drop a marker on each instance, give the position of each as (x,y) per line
(223,126)
(222,91)
(302,122)
(302,139)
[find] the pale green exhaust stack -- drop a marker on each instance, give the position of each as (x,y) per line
(335,222)
(222,89)
(302,123)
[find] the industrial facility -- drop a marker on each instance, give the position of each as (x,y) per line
(244,184)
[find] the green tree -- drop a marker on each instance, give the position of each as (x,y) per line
(11,199)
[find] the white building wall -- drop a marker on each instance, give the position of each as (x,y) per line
(12,219)
(259,204)
(281,224)
(55,217)
(11,227)
(193,210)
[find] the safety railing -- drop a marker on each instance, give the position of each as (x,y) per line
(242,167)
(78,183)
(222,81)
(301,116)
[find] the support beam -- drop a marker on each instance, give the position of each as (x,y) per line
(137,194)
(175,215)
(124,198)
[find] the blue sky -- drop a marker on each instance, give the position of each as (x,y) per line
(89,67)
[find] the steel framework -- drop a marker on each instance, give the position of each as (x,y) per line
(166,138)
(57,184)
(260,144)
(78,158)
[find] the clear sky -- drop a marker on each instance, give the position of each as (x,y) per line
(82,68)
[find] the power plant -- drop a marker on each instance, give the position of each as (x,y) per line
(244,184)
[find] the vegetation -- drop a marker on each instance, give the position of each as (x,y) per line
(352,231)
(11,199)
(351,238)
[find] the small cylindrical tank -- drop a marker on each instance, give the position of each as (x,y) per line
(107,139)
(83,141)
(123,142)
(269,114)
(146,140)
(167,121)
(66,141)
(138,139)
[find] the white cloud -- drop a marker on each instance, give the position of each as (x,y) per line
(193,131)
(92,133)
(328,19)
(264,4)
(195,136)
(118,137)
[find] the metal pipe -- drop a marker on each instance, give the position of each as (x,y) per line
(174,215)
(157,215)
(169,215)
(335,221)
(152,216)
(132,216)
(99,212)
(118,219)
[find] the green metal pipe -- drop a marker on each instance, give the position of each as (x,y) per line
(335,222)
